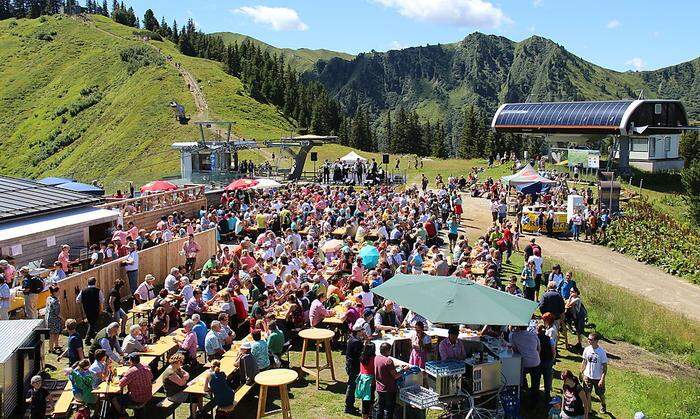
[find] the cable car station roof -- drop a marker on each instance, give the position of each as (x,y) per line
(620,117)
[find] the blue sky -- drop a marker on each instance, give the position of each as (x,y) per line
(617,34)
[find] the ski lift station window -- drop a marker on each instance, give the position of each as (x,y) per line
(657,109)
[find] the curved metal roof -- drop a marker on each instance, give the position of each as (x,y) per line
(594,117)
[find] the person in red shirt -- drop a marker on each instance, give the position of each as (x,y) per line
(137,380)
(508,240)
(386,375)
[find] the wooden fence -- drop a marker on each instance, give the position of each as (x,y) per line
(156,261)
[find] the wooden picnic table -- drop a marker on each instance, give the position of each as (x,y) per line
(340,232)
(228,367)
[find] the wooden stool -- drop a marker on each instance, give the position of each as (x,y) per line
(275,378)
(320,337)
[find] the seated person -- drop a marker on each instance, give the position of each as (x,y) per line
(211,293)
(82,379)
(260,351)
(137,380)
(200,329)
(175,380)
(275,339)
(246,365)
(216,384)
(212,345)
(99,368)
(226,334)
(131,341)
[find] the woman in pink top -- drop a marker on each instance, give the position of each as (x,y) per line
(358,272)
(189,343)
(420,344)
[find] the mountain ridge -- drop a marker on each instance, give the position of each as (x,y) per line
(439,81)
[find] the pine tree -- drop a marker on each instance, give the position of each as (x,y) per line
(150,23)
(467,147)
(104,11)
(388,131)
(438,147)
(400,138)
(175,37)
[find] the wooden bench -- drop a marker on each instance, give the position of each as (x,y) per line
(156,387)
(64,403)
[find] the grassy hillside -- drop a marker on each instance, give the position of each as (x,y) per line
(72,106)
(302,59)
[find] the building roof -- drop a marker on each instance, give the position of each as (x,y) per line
(76,217)
(619,117)
(20,330)
(23,198)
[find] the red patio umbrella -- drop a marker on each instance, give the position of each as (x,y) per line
(159,186)
(241,184)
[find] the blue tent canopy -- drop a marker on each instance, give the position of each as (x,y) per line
(53,181)
(82,187)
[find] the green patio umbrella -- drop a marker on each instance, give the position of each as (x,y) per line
(452,300)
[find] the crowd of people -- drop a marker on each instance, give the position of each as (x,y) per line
(291,261)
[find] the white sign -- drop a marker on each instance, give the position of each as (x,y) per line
(16,250)
(51,241)
(593,161)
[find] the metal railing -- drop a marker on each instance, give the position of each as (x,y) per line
(159,200)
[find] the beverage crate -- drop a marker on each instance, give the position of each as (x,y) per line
(445,368)
(419,397)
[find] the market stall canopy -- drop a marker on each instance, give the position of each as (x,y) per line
(82,187)
(452,300)
(53,181)
(527,180)
(352,157)
(159,186)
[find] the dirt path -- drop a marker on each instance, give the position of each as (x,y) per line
(199,100)
(615,268)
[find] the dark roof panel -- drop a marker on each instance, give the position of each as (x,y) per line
(564,114)
(21,198)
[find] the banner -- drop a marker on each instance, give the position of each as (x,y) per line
(588,159)
(532,225)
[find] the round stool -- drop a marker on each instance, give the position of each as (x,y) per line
(320,337)
(275,378)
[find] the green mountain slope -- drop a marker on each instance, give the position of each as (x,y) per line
(303,59)
(486,70)
(71,106)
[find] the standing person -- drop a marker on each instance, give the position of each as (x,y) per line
(364,386)
(115,306)
(352,366)
(8,271)
(52,317)
(74,348)
(537,262)
(137,380)
(545,370)
(131,265)
(527,344)
(528,278)
(386,375)
(574,404)
(453,231)
(190,249)
(420,346)
(594,368)
(576,223)
(92,301)
(5,297)
(32,286)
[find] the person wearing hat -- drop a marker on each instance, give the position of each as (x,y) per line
(32,286)
(131,265)
(555,408)
(452,348)
(352,365)
(145,291)
(5,298)
(138,381)
(247,366)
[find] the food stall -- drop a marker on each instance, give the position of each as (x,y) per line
(532,222)
(490,368)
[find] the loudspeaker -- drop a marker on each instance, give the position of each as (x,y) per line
(314,156)
(385,158)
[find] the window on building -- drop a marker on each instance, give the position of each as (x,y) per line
(657,109)
(667,144)
(639,144)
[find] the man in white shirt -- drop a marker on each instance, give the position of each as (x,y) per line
(145,291)
(172,281)
(537,260)
(594,368)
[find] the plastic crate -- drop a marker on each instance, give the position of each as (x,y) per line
(419,397)
(445,368)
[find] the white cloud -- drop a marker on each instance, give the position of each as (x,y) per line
(278,18)
(531,28)
(613,24)
(461,13)
(396,45)
(537,3)
(637,63)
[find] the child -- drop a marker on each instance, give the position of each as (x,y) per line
(516,238)
(36,399)
(555,410)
